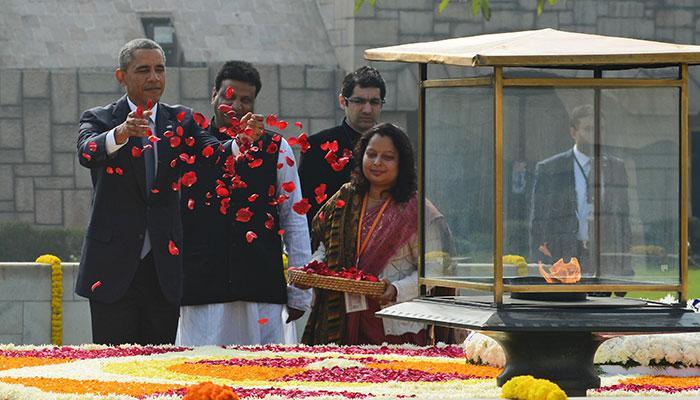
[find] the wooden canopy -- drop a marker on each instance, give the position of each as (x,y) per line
(544,47)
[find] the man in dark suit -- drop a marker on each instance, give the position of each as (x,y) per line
(361,98)
(131,267)
(563,205)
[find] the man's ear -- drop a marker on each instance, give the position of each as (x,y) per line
(213,94)
(119,76)
(341,101)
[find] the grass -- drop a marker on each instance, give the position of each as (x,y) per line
(693,283)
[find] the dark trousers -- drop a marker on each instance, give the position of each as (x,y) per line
(143,316)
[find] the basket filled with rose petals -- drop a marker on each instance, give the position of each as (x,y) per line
(318,275)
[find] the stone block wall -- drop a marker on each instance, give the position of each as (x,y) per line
(25,305)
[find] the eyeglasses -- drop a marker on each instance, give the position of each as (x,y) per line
(359,101)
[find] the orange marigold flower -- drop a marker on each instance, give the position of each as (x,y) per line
(209,391)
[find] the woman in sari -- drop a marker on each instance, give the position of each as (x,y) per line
(371,223)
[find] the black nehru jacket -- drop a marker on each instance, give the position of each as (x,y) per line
(315,170)
(227,268)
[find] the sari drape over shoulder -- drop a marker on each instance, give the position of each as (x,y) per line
(336,228)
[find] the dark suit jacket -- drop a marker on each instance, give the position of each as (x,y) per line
(315,170)
(121,208)
(553,214)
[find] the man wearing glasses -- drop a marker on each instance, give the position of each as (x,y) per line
(329,160)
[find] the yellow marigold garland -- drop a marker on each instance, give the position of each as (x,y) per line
(56,296)
(526,387)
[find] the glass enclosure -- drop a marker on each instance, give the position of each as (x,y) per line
(590,182)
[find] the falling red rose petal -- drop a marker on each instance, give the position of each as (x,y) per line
(92,146)
(225,108)
(153,139)
(149,104)
(244,214)
(289,161)
(201,120)
(139,112)
(282,125)
(175,141)
(270,221)
(86,156)
(155,191)
(208,151)
(189,141)
(168,134)
(289,186)
(109,170)
(180,131)
(180,116)
(280,165)
(271,120)
(189,178)
(255,163)
(280,232)
(339,203)
(271,191)
(250,236)
(299,125)
(262,321)
(190,204)
(272,148)
(172,248)
(173,163)
(95,286)
(253,197)
(119,171)
(136,152)
(302,206)
(229,92)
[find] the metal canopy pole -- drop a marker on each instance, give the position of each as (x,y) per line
(684,161)
(498,186)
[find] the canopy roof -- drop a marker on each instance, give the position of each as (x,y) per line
(544,47)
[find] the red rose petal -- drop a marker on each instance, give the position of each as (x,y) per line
(95,286)
(119,171)
(289,161)
(262,321)
(189,178)
(255,163)
(244,214)
(136,152)
(229,92)
(289,186)
(270,221)
(282,125)
(92,146)
(208,151)
(180,116)
(175,141)
(302,206)
(250,236)
(298,125)
(172,248)
(86,156)
(190,204)
(189,141)
(109,170)
(253,197)
(201,120)
(339,203)
(180,131)
(155,191)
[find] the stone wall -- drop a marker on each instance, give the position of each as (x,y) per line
(25,305)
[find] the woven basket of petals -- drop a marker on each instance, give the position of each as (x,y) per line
(334,283)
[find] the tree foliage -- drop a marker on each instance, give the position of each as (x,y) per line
(478,6)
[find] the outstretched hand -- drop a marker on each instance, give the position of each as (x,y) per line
(256,125)
(133,126)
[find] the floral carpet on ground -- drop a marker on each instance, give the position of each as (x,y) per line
(273,372)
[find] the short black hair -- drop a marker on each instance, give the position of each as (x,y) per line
(127,52)
(239,71)
(364,77)
(407,178)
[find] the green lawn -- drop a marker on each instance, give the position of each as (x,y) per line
(693,283)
